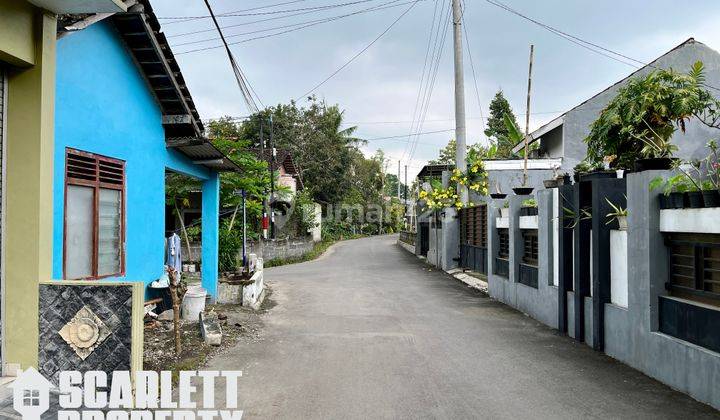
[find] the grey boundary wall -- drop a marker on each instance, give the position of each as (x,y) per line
(540,303)
(631,334)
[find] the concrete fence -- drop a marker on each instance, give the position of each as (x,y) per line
(281,248)
(611,289)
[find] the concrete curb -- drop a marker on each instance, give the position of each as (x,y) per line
(469,279)
(472,280)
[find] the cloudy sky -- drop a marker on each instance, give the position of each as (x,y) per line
(379,89)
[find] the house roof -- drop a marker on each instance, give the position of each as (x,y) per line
(283,157)
(433,171)
(558,121)
(140,30)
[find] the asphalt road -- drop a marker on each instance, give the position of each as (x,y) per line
(370,331)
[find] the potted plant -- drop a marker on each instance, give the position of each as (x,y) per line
(523,190)
(497,194)
(555,180)
(529,207)
(638,124)
(673,195)
(581,168)
(564,179)
(710,193)
(505,210)
(618,213)
(694,196)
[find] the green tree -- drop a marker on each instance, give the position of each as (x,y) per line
(446,154)
(391,186)
(315,137)
(497,129)
(641,119)
(253,178)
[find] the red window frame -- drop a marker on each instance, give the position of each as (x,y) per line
(97,180)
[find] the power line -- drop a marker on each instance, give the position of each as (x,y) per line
(243,83)
(242,24)
(283,32)
(431,86)
(269,6)
(405,135)
(415,2)
(307,23)
(241,13)
(594,47)
(424,86)
(422,76)
(472,67)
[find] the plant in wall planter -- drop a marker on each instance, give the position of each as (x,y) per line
(529,207)
(555,181)
(694,196)
(505,210)
(587,171)
(674,188)
(497,195)
(523,190)
(550,183)
(710,193)
(620,214)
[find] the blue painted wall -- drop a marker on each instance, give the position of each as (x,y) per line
(104,106)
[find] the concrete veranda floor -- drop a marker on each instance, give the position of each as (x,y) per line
(369,331)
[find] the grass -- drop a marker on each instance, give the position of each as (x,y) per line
(316,252)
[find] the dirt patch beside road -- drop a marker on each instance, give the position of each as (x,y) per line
(242,324)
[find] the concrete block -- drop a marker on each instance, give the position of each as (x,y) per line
(229,293)
(210,330)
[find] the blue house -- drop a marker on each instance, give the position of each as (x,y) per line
(123,118)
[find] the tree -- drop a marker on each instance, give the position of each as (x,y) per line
(446,155)
(391,186)
(497,129)
(315,137)
(253,178)
(641,119)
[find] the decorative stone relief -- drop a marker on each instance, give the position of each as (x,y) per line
(84,332)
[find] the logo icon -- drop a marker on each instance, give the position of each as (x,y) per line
(31,394)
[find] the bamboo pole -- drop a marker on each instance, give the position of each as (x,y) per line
(527,115)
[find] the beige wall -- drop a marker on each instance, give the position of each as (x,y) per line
(17,40)
(27,42)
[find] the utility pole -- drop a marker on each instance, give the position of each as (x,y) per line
(527,114)
(272,178)
(266,208)
(398,179)
(461,149)
(405,187)
(405,202)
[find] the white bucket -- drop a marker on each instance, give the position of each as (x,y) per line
(193,303)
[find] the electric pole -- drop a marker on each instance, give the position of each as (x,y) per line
(272,178)
(461,149)
(266,206)
(398,179)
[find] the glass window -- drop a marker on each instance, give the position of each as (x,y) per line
(94,219)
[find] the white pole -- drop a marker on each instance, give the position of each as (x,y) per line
(460,150)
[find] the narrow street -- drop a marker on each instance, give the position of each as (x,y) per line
(369,331)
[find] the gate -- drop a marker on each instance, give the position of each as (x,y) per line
(424,232)
(473,238)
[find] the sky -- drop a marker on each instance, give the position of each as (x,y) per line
(379,89)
